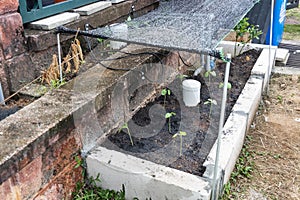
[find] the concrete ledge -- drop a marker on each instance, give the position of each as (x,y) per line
(92,8)
(54,21)
(144,179)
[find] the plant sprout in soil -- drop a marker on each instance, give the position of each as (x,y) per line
(211,102)
(125,126)
(180,134)
(168,116)
(164,93)
(208,74)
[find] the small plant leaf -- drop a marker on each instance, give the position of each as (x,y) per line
(164,92)
(213,73)
(170,114)
(169,92)
(175,135)
(206,74)
(182,133)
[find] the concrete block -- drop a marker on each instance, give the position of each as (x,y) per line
(232,140)
(261,66)
(281,54)
(283,62)
(144,179)
(92,8)
(249,99)
(54,21)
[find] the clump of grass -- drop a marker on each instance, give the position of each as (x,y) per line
(243,169)
(89,190)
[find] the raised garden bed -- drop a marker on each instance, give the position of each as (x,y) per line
(156,145)
(153,138)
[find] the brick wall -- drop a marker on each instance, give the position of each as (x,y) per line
(12,42)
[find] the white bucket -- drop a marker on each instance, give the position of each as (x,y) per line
(119,31)
(191,92)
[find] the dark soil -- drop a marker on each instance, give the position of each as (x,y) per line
(14,105)
(149,129)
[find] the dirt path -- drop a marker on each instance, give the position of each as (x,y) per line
(272,147)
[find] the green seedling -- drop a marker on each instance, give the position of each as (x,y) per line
(229,86)
(208,75)
(211,102)
(168,116)
(180,134)
(182,77)
(125,126)
(242,29)
(165,92)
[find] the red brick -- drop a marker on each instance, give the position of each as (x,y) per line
(7,6)
(20,71)
(9,190)
(11,35)
(30,178)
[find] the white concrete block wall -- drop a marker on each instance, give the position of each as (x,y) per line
(145,179)
(231,144)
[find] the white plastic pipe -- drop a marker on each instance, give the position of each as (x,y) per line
(59,58)
(221,123)
(2,102)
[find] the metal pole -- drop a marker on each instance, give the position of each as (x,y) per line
(270,45)
(59,58)
(221,123)
(2,102)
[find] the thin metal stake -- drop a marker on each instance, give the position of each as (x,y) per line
(2,102)
(59,58)
(221,123)
(270,46)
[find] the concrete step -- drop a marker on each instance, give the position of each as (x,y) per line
(92,8)
(54,21)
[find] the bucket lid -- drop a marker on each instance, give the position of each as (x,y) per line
(191,83)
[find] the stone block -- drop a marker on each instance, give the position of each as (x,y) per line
(144,179)
(281,54)
(92,8)
(8,6)
(20,71)
(54,21)
(249,99)
(232,140)
(11,35)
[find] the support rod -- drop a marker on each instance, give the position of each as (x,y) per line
(221,124)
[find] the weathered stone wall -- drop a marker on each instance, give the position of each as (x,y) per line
(12,41)
(39,144)
(24,53)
